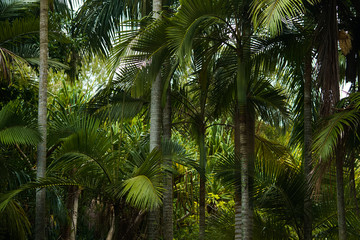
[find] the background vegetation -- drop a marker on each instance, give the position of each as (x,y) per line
(183,119)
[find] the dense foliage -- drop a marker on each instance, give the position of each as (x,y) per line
(203,119)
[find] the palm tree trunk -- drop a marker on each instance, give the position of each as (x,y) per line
(74,198)
(243,78)
(202,203)
(329,79)
(245,188)
(155,141)
(40,217)
(307,147)
(111,231)
(155,130)
(250,146)
(237,144)
(340,192)
(168,194)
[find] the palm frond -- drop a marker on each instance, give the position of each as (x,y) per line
(12,9)
(100,20)
(141,192)
(327,138)
(15,128)
(271,13)
(142,189)
(187,22)
(5,199)
(14,221)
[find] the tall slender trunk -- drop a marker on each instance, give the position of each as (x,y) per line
(202,203)
(155,142)
(340,192)
(40,217)
(245,187)
(111,231)
(155,130)
(307,147)
(243,79)
(238,220)
(73,206)
(250,151)
(168,194)
(329,79)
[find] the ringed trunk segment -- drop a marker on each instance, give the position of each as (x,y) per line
(40,215)
(307,147)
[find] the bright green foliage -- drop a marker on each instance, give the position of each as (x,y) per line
(99,140)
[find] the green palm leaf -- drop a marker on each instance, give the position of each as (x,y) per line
(15,128)
(14,222)
(271,13)
(327,138)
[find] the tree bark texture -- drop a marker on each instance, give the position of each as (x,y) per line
(307,147)
(250,151)
(243,79)
(329,81)
(340,192)
(168,186)
(40,215)
(155,141)
(245,187)
(202,203)
(111,232)
(155,130)
(73,207)
(328,58)
(238,219)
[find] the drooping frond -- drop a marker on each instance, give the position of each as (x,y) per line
(15,128)
(141,192)
(13,218)
(11,9)
(115,104)
(187,22)
(5,199)
(85,150)
(271,13)
(333,129)
(142,188)
(100,20)
(138,57)
(268,101)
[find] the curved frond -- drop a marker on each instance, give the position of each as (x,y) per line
(327,138)
(140,192)
(15,128)
(271,13)
(14,222)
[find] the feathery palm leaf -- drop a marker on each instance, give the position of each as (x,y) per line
(271,13)
(327,138)
(14,219)
(16,128)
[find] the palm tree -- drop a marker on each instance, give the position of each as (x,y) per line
(279,188)
(197,112)
(85,156)
(233,30)
(338,127)
(40,219)
(145,62)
